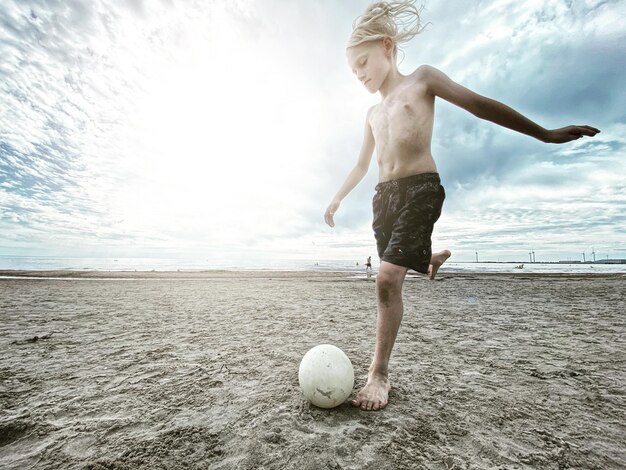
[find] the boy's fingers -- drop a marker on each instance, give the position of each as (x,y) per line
(328,218)
(588,130)
(330,212)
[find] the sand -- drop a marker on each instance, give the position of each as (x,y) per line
(199,370)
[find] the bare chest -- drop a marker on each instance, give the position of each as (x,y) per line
(402,119)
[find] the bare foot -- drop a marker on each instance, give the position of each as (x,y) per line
(436,261)
(375,395)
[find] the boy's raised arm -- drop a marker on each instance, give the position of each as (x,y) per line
(357,174)
(440,85)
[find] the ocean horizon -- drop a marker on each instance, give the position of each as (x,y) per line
(51,263)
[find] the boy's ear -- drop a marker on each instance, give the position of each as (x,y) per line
(388,45)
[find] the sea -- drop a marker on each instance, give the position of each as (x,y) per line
(44,263)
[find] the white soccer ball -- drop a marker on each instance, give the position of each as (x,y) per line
(326,376)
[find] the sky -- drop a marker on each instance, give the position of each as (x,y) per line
(222,129)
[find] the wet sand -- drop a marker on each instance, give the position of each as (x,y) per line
(199,370)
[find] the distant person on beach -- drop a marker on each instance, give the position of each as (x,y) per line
(409,195)
(368,266)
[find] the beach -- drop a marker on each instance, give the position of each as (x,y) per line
(128,370)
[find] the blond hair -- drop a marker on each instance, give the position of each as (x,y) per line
(399,21)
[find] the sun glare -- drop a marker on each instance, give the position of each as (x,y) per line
(224,134)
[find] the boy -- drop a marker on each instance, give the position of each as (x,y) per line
(409,195)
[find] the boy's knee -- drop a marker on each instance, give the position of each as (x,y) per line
(388,283)
(388,288)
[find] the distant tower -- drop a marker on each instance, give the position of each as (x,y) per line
(530,256)
(593,252)
(477,256)
(534,260)
(584,260)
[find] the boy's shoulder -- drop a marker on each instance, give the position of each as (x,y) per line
(423,72)
(427,77)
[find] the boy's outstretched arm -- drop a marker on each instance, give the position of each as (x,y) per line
(440,85)
(357,174)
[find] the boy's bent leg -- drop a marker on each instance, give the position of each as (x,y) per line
(389,280)
(436,260)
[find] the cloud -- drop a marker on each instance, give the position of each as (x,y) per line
(153,127)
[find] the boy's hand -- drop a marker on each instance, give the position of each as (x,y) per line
(569,133)
(330,212)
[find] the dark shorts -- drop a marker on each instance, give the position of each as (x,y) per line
(405,212)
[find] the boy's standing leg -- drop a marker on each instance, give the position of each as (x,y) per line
(389,281)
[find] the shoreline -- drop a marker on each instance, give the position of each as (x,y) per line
(261,274)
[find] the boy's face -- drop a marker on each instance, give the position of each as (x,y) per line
(370,62)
